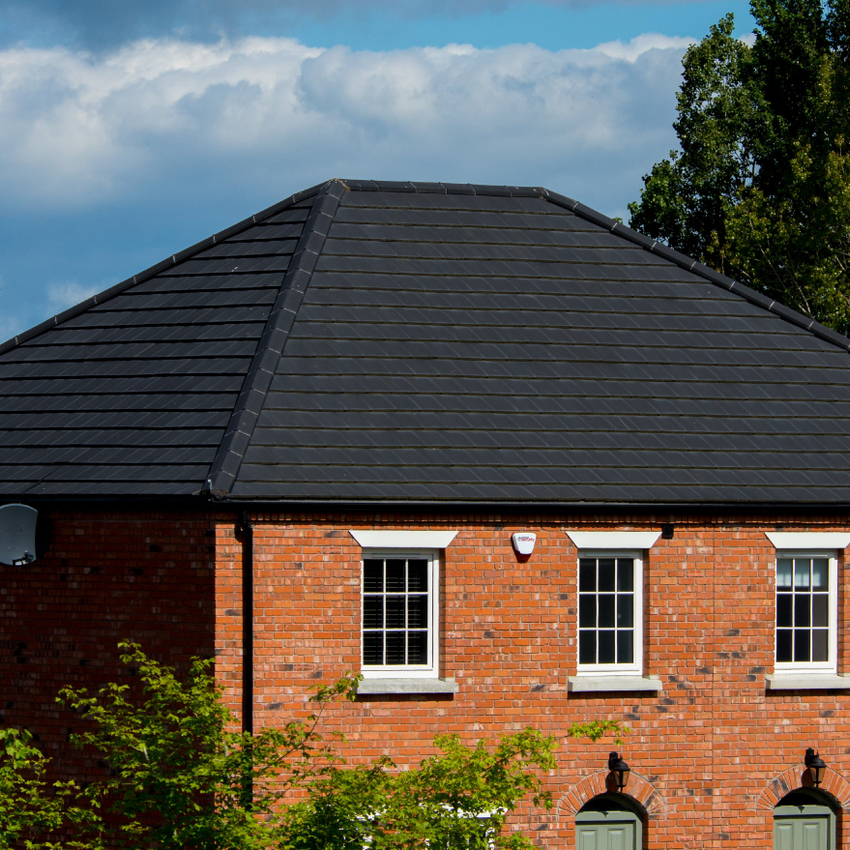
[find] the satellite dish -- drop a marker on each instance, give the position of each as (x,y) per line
(17,534)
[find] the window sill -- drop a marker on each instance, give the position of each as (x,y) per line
(407,686)
(588,684)
(807,681)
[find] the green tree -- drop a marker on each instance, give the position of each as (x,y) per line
(31,808)
(459,798)
(759,187)
(176,777)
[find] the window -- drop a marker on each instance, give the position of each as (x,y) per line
(399,620)
(610,612)
(806,610)
(806,619)
(400,611)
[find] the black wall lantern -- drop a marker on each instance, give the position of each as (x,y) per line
(620,769)
(816,766)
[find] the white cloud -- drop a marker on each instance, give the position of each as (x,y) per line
(79,130)
(61,296)
(631,51)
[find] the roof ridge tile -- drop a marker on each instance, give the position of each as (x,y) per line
(430,187)
(270,348)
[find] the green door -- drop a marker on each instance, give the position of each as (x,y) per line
(605,836)
(603,827)
(803,826)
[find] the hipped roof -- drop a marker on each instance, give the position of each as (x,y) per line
(408,343)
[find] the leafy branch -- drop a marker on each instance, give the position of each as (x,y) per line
(597,729)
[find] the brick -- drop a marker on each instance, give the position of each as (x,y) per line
(710,756)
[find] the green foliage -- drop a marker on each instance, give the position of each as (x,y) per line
(759,188)
(177,778)
(597,729)
(459,798)
(31,808)
(685,197)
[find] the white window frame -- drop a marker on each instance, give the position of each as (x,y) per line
(408,671)
(813,667)
(810,544)
(617,544)
(388,542)
(636,667)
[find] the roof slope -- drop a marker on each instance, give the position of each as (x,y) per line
(130,392)
(367,342)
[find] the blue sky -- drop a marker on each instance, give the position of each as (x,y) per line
(131,130)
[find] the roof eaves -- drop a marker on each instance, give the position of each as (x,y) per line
(162,265)
(697,268)
(228,460)
(815,504)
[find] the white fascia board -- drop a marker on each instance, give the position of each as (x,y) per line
(384,539)
(809,539)
(614,539)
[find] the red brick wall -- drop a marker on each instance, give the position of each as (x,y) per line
(107,575)
(707,754)
(710,755)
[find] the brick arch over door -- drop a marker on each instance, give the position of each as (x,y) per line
(601,782)
(797,777)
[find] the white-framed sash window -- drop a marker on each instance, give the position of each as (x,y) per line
(610,613)
(806,611)
(806,597)
(400,613)
(400,607)
(610,604)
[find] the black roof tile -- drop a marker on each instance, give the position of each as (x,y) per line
(167,282)
(253,248)
(490,235)
(574,294)
(427,342)
(510,218)
(135,315)
(494,199)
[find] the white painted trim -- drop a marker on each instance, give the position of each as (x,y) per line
(809,539)
(806,682)
(622,682)
(635,669)
(614,539)
(431,670)
(813,668)
(384,539)
(407,686)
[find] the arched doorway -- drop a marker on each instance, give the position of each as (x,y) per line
(804,820)
(609,822)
